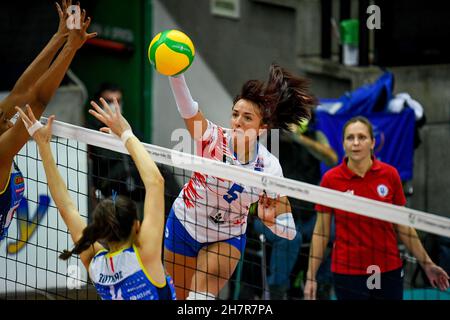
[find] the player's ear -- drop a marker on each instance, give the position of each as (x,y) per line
(137,226)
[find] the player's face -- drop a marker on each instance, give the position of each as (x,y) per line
(357,141)
(246,121)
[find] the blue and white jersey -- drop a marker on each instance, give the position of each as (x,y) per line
(10,198)
(122,276)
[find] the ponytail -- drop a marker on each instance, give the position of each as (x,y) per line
(89,237)
(285,99)
(292,100)
(112,222)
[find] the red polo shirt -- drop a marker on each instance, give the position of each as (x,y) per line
(362,241)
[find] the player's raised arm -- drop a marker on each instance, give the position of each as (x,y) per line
(188,108)
(20,94)
(151,233)
(58,189)
(40,93)
(171,53)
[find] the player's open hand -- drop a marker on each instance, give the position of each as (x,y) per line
(62,8)
(40,133)
(267,209)
(310,290)
(437,276)
(113,120)
(78,28)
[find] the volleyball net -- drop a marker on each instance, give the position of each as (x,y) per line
(94,165)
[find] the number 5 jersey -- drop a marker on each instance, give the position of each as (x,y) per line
(214,209)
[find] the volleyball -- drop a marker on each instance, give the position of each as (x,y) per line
(171,52)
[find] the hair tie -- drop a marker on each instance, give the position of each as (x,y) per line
(114,196)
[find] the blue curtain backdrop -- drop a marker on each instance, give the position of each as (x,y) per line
(394,132)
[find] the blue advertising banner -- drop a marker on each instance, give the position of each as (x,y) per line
(394,135)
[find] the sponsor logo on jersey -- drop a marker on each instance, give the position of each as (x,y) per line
(20,190)
(259,165)
(218,218)
(110,278)
(382,190)
(18,180)
(166,233)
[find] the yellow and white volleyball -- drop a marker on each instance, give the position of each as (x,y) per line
(171,52)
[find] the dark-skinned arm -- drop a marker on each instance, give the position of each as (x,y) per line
(20,94)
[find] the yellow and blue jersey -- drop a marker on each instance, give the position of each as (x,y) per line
(10,198)
(122,276)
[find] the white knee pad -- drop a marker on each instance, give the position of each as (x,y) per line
(200,296)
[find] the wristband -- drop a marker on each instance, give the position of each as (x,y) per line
(127,134)
(284,226)
(32,129)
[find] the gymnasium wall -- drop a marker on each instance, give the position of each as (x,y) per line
(289,32)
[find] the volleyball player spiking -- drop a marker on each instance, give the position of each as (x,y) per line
(205,231)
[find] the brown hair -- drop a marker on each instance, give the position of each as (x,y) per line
(283,100)
(361,119)
(112,222)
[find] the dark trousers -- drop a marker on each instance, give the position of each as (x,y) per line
(355,287)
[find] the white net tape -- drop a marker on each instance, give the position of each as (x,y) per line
(400,215)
